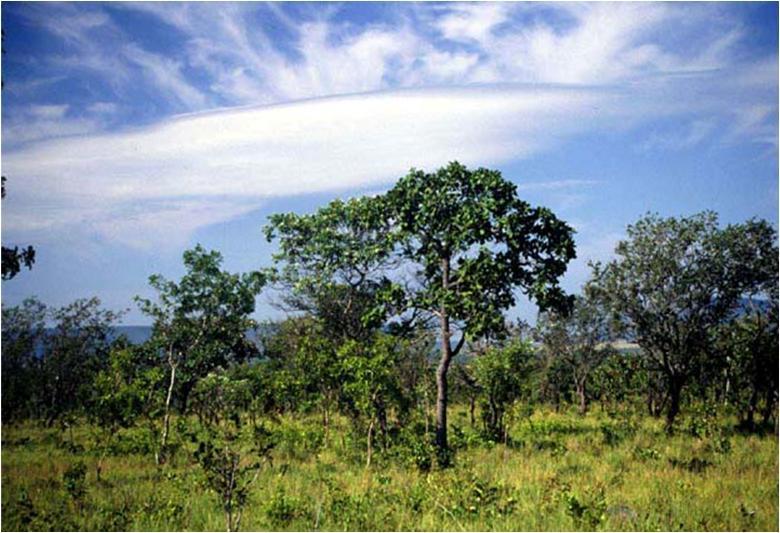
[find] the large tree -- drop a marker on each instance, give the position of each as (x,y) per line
(675,280)
(471,242)
(201,323)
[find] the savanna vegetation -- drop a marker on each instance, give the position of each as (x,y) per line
(396,395)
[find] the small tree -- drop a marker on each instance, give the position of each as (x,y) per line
(201,322)
(503,374)
(676,280)
(74,351)
(332,265)
(23,337)
(121,393)
(370,382)
(750,344)
(579,340)
(230,464)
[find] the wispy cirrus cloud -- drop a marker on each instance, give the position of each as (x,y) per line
(235,159)
(483,83)
(557,185)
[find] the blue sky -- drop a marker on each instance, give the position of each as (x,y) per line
(132,131)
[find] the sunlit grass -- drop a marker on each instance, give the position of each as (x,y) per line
(560,472)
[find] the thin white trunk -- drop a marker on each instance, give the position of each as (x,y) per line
(167,417)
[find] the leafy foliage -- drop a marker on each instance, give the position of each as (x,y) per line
(13,258)
(230,468)
(580,340)
(677,279)
(201,323)
(504,375)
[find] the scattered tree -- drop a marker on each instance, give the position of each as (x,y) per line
(201,323)
(23,340)
(503,374)
(580,340)
(676,280)
(473,242)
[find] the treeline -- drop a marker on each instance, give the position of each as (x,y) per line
(397,308)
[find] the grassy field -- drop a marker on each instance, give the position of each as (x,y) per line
(560,472)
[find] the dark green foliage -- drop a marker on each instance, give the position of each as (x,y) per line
(230,468)
(200,324)
(504,376)
(23,334)
(588,511)
(48,373)
(126,388)
(75,351)
(332,264)
(472,243)
(749,347)
(575,343)
(13,258)
(73,481)
(676,280)
(620,380)
(203,319)
(371,386)
(492,242)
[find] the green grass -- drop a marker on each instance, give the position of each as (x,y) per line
(560,472)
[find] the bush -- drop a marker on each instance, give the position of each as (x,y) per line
(282,509)
(588,511)
(74,481)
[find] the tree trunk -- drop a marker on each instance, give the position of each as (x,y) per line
(369,444)
(441,397)
(675,390)
(583,407)
(751,411)
(444,364)
(769,406)
(472,404)
(167,417)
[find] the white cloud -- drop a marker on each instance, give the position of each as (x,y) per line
(587,67)
(103,108)
(166,75)
(162,176)
(472,21)
(37,122)
(48,112)
(556,184)
(679,138)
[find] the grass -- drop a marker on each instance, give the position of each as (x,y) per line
(560,472)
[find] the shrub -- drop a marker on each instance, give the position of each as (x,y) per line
(282,509)
(74,481)
(588,511)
